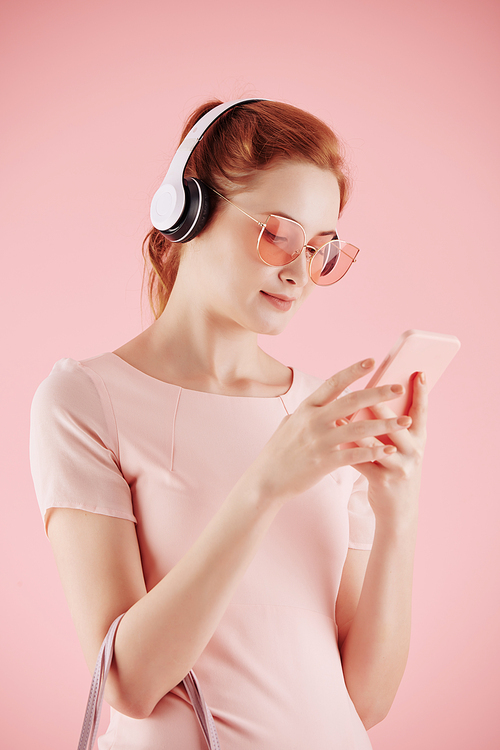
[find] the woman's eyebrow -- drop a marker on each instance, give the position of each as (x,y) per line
(285,216)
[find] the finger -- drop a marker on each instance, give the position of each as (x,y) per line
(336,384)
(365,454)
(382,411)
(418,408)
(353,402)
(357,432)
(371,442)
(368,442)
(400,437)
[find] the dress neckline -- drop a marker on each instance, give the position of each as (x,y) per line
(128,366)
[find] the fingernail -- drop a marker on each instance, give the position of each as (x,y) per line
(404,421)
(367,363)
(341,422)
(390,449)
(423,379)
(397,388)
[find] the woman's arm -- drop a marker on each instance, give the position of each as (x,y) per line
(374,633)
(165,630)
(374,601)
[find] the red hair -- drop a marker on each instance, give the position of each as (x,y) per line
(243,141)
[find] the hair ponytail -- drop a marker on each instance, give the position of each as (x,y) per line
(161,258)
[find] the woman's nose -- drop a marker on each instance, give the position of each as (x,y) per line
(296,272)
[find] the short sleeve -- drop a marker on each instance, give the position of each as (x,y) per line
(361,516)
(74,445)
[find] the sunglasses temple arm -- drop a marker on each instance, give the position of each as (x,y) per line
(239,209)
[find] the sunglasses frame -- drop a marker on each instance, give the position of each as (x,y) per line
(263,226)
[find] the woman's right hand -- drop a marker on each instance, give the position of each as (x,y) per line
(311,442)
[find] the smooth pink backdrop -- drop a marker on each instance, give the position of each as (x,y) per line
(94,98)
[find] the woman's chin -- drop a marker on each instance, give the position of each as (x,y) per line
(272,327)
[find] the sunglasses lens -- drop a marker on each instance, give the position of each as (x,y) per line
(280,241)
(331,262)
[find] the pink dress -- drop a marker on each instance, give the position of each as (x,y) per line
(112,440)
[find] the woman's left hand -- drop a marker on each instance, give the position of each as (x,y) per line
(394,481)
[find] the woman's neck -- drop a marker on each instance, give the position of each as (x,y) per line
(199,352)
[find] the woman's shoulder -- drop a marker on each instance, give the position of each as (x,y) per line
(74,389)
(68,375)
(97,389)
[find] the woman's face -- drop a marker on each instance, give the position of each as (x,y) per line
(223,267)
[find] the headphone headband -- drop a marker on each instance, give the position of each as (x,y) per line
(171,200)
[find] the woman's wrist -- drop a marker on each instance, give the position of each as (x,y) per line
(396,507)
(258,491)
(397,527)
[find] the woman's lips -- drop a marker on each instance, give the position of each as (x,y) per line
(281,304)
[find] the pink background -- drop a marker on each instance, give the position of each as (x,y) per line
(95,94)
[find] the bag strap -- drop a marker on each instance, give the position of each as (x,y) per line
(96,694)
(202,711)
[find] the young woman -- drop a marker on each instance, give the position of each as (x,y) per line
(221,500)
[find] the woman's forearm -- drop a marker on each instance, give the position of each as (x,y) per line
(164,633)
(375,649)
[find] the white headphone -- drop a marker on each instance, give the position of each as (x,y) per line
(180,207)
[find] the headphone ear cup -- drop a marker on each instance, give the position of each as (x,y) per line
(195,215)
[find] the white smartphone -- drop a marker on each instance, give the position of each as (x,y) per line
(414,351)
